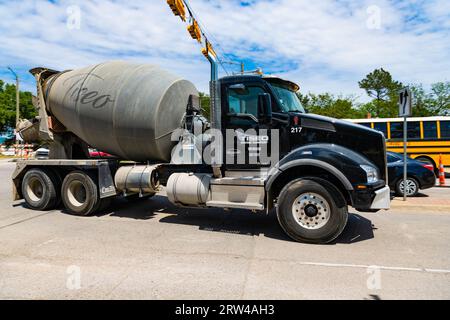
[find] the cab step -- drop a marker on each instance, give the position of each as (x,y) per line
(237,193)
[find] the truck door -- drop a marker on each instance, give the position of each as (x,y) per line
(247,126)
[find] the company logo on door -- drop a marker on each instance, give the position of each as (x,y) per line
(245,138)
(249,147)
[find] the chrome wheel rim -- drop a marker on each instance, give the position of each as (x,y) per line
(411,187)
(311,211)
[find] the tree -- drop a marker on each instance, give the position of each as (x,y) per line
(380,109)
(380,85)
(384,89)
(421,101)
(205,103)
(8,106)
(440,98)
(328,105)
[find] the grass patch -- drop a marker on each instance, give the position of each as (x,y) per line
(8,157)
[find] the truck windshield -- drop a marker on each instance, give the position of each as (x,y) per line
(287,98)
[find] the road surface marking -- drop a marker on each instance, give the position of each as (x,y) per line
(360,266)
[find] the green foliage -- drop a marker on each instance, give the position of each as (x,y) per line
(205,103)
(384,90)
(440,98)
(328,105)
(380,85)
(380,109)
(8,106)
(422,102)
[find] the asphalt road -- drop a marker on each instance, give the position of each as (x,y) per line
(151,250)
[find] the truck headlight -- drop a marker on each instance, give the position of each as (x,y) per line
(371,172)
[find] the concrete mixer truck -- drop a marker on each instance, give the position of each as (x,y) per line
(260,150)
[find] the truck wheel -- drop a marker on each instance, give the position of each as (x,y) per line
(40,189)
(307,212)
(412,187)
(80,194)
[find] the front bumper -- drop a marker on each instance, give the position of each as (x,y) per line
(374,197)
(382,199)
(427,180)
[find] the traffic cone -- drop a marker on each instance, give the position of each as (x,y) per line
(441,172)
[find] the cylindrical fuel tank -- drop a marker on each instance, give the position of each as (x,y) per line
(137,179)
(128,110)
(188,189)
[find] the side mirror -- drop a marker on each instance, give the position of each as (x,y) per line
(265,107)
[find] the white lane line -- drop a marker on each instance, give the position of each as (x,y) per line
(437,271)
(360,266)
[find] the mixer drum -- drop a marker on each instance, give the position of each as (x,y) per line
(128,110)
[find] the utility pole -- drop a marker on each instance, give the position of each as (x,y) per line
(405,110)
(17,95)
(17,103)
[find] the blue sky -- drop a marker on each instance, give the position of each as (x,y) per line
(326,45)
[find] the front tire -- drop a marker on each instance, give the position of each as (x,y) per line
(308,213)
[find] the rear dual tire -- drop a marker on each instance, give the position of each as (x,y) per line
(308,212)
(41,189)
(80,194)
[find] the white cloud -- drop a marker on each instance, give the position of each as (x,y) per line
(325,45)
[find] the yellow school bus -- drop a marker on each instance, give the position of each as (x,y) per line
(428,138)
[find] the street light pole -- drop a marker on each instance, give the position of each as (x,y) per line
(17,95)
(17,102)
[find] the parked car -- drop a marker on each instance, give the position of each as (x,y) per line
(42,154)
(421,175)
(95,154)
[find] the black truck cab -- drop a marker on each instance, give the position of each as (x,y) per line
(349,156)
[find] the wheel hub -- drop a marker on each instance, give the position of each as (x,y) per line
(311,211)
(411,187)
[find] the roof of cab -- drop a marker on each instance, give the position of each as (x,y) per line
(245,78)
